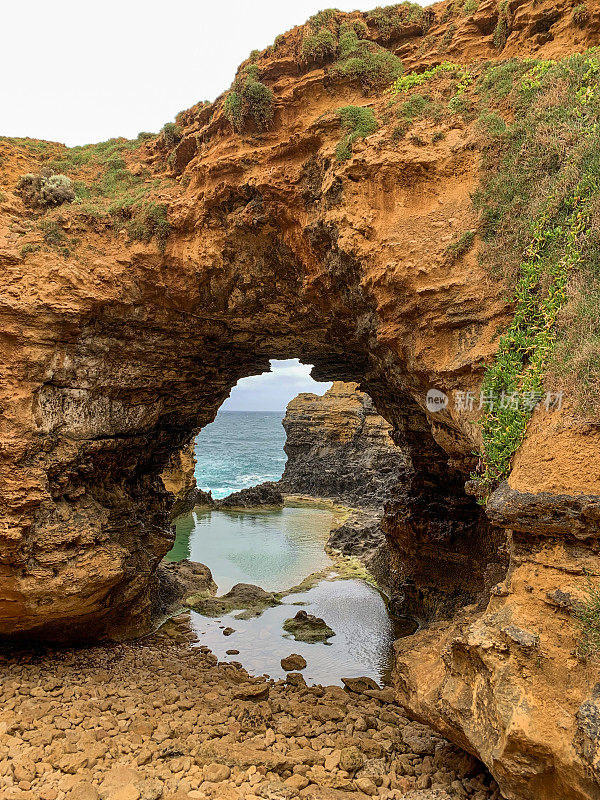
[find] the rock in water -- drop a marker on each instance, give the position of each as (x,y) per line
(245,597)
(265,495)
(293,663)
(307,628)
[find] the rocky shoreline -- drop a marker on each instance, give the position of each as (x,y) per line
(160,719)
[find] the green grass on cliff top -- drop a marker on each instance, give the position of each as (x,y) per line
(539,207)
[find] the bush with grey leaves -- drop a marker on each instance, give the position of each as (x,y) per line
(45,189)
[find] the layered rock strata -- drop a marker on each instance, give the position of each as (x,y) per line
(339,447)
(114,354)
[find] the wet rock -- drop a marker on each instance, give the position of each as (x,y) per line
(245,597)
(295,679)
(307,628)
(293,663)
(360,684)
(232,652)
(265,495)
(191,576)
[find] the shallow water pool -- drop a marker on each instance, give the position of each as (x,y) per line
(277,550)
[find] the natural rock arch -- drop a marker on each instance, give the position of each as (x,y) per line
(125,384)
(113,356)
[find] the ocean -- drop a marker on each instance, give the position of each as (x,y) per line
(238,450)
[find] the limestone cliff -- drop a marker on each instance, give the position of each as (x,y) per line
(281,234)
(339,447)
(179,478)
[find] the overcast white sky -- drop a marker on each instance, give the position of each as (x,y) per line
(77,72)
(272,391)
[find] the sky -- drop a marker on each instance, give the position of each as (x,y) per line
(273,390)
(78,73)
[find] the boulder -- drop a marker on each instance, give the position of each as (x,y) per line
(293,663)
(305,627)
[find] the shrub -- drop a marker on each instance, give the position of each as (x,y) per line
(399,132)
(491,123)
(461,247)
(470,6)
(587,615)
(29,248)
(446,39)
(501,30)
(171,133)
(369,63)
(249,99)
(580,15)
(52,232)
(233,109)
(358,122)
(390,20)
(322,18)
(319,46)
(414,106)
(45,189)
(150,220)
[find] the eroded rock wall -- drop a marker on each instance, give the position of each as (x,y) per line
(179,478)
(339,447)
(116,353)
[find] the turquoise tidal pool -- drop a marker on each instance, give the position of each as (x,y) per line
(276,550)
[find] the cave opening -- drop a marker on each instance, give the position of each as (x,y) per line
(310,533)
(244,446)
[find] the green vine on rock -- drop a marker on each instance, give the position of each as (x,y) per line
(525,348)
(406,82)
(539,204)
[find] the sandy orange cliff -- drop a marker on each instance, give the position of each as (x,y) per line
(115,351)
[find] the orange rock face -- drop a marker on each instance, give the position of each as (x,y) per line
(113,353)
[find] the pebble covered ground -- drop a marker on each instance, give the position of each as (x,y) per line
(158,718)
